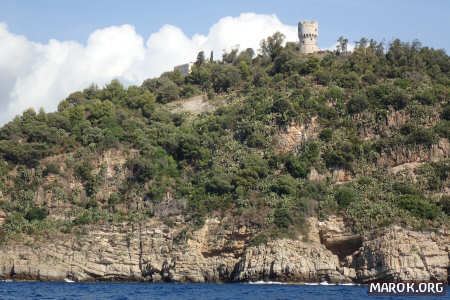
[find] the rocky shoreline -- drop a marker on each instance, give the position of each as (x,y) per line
(155,252)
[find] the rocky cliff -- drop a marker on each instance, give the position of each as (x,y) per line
(155,252)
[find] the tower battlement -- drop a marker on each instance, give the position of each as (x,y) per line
(308,32)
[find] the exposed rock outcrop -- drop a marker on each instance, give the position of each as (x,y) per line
(2,217)
(297,134)
(404,255)
(152,251)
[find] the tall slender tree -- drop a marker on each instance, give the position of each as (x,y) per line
(200,58)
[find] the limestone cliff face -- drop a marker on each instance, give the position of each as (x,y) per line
(405,255)
(151,251)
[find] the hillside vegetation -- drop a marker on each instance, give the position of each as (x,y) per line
(361,134)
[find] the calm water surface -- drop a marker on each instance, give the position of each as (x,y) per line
(172,291)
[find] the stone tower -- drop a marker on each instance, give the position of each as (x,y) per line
(307,34)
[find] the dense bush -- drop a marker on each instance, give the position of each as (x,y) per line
(446,112)
(282,218)
(357,104)
(398,99)
(350,80)
(443,129)
(219,183)
(326,134)
(444,204)
(421,136)
(168,91)
(344,196)
(418,206)
(339,158)
(426,97)
(298,168)
(83,170)
(285,185)
(36,213)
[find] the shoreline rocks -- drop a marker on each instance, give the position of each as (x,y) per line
(153,252)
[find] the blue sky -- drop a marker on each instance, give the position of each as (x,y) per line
(51,48)
(427,20)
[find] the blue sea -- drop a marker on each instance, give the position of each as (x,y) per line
(178,291)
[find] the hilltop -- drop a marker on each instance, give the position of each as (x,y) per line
(331,156)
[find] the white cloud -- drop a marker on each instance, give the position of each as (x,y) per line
(40,75)
(350,47)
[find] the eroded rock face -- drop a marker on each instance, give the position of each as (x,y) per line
(287,260)
(404,255)
(151,251)
(2,216)
(437,152)
(296,135)
(338,238)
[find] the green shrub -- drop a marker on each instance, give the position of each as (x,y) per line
(282,218)
(437,174)
(114,199)
(88,217)
(387,95)
(284,110)
(51,168)
(24,153)
(36,213)
(426,97)
(326,112)
(298,168)
(349,80)
(446,112)
(323,77)
(211,95)
(82,219)
(259,239)
(405,188)
(418,206)
(378,93)
(255,164)
(363,180)
(407,128)
(398,99)
(370,78)
(285,185)
(219,184)
(91,203)
(367,215)
(83,171)
(189,91)
(15,223)
(326,134)
(444,204)
(443,129)
(402,83)
(23,197)
(256,140)
(344,196)
(141,168)
(296,81)
(421,136)
(334,93)
(357,104)
(168,91)
(338,159)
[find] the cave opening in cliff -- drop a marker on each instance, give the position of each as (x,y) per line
(344,247)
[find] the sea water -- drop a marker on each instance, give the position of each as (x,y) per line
(178,291)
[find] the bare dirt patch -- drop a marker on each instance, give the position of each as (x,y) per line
(195,105)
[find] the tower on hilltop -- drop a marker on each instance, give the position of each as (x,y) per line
(307,34)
